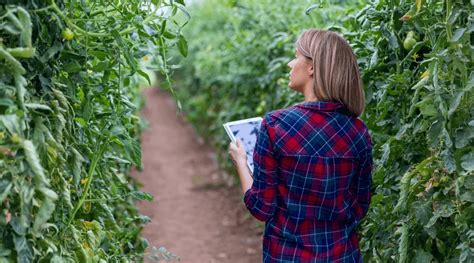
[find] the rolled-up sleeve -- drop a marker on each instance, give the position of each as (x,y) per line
(260,199)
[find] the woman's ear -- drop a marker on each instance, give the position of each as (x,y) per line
(310,70)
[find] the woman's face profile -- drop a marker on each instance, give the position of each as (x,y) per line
(300,72)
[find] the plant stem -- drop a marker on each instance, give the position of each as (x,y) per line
(90,176)
(94,34)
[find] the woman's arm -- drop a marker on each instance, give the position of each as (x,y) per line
(260,188)
(237,152)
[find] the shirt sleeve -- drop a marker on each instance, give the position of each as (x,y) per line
(363,181)
(260,199)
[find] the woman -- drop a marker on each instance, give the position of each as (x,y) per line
(312,161)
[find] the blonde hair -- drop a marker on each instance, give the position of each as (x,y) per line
(336,73)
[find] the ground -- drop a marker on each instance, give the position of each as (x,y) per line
(197,212)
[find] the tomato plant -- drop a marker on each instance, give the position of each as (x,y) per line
(421,117)
(69,85)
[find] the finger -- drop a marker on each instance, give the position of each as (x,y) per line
(232,146)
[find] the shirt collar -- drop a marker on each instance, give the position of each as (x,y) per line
(322,105)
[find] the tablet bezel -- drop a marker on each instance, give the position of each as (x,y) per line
(231,134)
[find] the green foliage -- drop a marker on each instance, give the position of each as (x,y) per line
(70,73)
(419,105)
(420,113)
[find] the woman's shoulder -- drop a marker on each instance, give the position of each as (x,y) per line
(319,124)
(283,114)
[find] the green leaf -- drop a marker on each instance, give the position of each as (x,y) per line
(51,52)
(374,59)
(468,196)
(24,254)
(145,75)
(169,35)
(458,34)
(5,187)
(385,153)
(311,8)
(422,211)
(25,20)
(448,159)
(149,30)
(445,209)
(432,221)
(21,52)
(455,103)
(33,160)
(101,66)
(18,69)
(403,245)
(45,211)
(72,67)
(19,224)
(11,123)
(6,102)
(163,26)
(37,106)
(81,122)
(127,102)
(20,84)
(434,133)
(376,199)
(142,196)
(101,55)
(182,46)
(467,162)
(427,107)
(186,13)
(419,3)
(422,256)
(77,161)
(133,150)
(463,136)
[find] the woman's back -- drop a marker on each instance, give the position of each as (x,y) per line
(311,183)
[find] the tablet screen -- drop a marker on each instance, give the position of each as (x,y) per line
(247,131)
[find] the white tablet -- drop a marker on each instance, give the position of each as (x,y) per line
(247,131)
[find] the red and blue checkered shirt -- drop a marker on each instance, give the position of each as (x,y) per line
(312,180)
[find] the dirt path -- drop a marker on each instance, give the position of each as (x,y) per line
(195,214)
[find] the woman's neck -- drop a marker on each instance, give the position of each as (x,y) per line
(308,92)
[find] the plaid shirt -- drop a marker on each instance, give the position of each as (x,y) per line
(312,179)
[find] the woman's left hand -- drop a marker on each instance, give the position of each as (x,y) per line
(237,152)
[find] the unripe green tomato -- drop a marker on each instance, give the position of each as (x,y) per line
(15,138)
(411,34)
(67,34)
(409,43)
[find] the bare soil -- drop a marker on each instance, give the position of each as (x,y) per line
(197,212)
